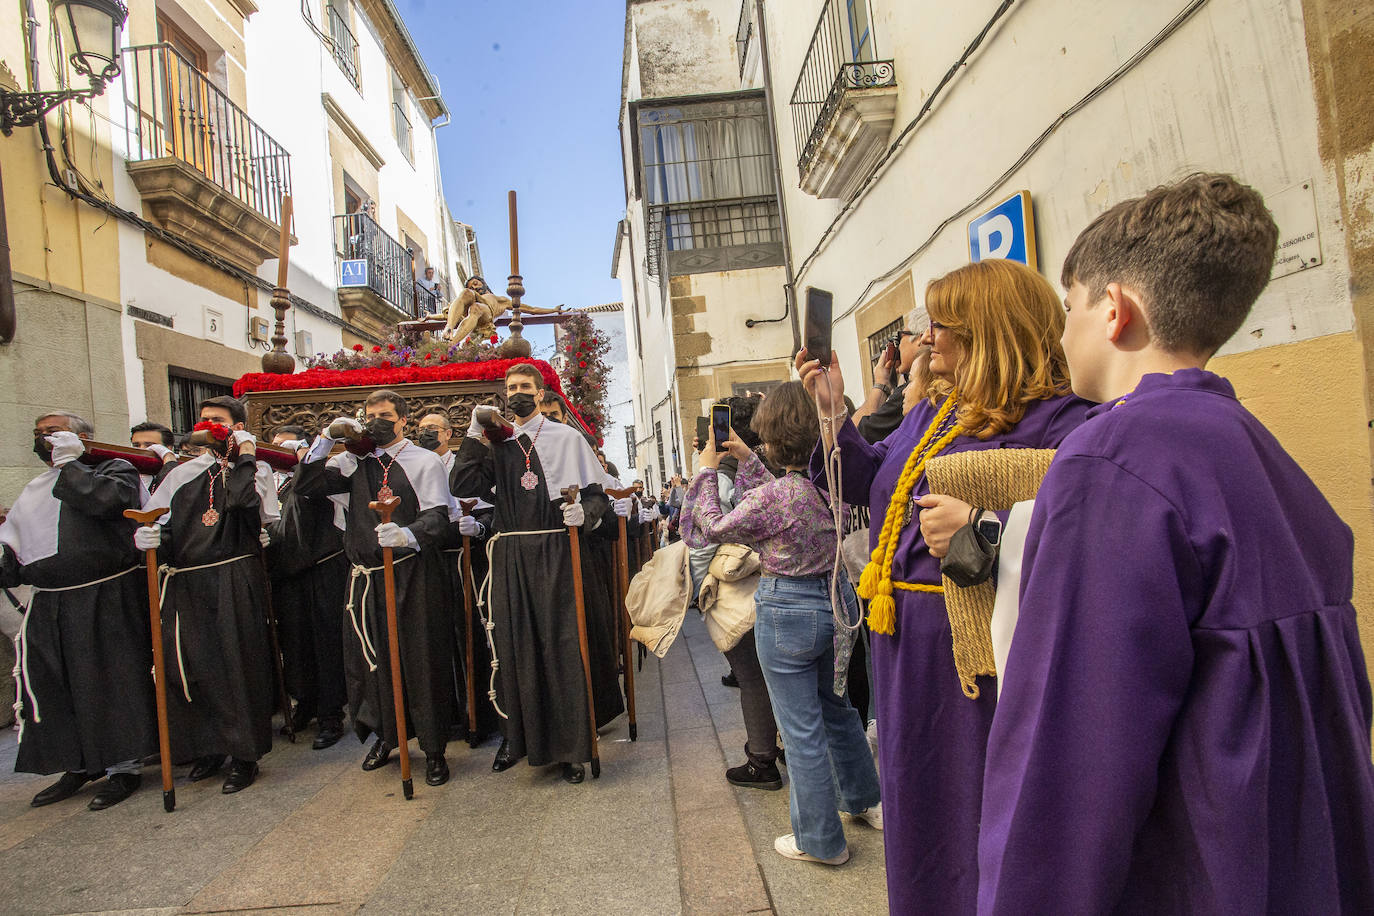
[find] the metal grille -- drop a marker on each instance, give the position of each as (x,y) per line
(345,46)
(838,59)
(390,273)
(403,129)
(880,339)
(662,465)
(744,32)
(174,111)
(186,394)
(630,445)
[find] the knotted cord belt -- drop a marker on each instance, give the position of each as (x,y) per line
(362,629)
(484,594)
(165,573)
(21,648)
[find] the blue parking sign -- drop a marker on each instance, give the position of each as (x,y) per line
(353,273)
(1007,231)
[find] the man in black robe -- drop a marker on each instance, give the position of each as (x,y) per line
(541,687)
(309,573)
(380,463)
(435,433)
(159,440)
(220,683)
(86,701)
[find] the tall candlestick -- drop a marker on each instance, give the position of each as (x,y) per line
(514,236)
(284,248)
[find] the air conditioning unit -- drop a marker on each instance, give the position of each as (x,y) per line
(258,329)
(305,346)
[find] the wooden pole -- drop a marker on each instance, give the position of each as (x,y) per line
(570,497)
(516,345)
(164,741)
(277,360)
(288,727)
(467,506)
(622,568)
(384,508)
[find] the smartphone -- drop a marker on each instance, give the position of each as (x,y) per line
(890,354)
(703,430)
(819,305)
(720,424)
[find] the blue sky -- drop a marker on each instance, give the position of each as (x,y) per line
(534,88)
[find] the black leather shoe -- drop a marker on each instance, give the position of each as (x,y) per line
(504,759)
(436,769)
(331,730)
(117,788)
(378,756)
(573,773)
(751,775)
(241,776)
(729,680)
(65,787)
(205,767)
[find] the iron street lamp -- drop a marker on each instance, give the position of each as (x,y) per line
(90,30)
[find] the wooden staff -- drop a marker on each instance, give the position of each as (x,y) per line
(570,497)
(384,508)
(288,727)
(467,506)
(622,568)
(164,740)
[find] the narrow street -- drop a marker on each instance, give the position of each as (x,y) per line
(660,832)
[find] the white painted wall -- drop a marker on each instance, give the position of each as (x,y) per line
(1229,91)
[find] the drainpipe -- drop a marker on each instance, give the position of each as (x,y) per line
(789,310)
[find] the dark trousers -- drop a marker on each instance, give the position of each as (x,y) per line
(754,702)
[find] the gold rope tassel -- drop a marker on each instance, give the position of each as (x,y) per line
(875,584)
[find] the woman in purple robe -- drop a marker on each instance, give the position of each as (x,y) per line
(1000,382)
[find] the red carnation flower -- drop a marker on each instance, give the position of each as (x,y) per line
(593,341)
(391,347)
(493,338)
(218,430)
(386,364)
(358,347)
(443,357)
(376,349)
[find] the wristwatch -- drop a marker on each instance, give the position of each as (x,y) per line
(885,389)
(989,528)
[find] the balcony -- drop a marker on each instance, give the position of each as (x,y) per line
(344,46)
(377,286)
(205,170)
(843,105)
(714,235)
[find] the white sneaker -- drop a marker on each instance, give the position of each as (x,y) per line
(871,816)
(872,733)
(786,845)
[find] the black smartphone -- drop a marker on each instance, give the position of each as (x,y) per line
(890,354)
(720,425)
(703,431)
(819,305)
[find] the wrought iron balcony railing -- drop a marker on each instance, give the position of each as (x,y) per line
(404,130)
(390,273)
(745,221)
(345,46)
(174,111)
(829,70)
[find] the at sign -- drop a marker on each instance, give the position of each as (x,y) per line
(1007,232)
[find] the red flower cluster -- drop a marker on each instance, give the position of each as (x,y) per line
(398,375)
(376,349)
(358,348)
(218,430)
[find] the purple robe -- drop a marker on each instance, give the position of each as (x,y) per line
(931,738)
(1185,714)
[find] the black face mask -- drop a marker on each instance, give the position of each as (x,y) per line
(42,449)
(429,439)
(382,432)
(522,405)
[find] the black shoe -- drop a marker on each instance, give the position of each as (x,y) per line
(205,767)
(729,680)
(504,759)
(436,769)
(117,788)
(378,756)
(299,720)
(65,787)
(241,776)
(331,730)
(573,773)
(753,775)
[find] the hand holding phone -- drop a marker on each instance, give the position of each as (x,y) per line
(720,425)
(819,307)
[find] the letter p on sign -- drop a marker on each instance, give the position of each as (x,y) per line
(1007,231)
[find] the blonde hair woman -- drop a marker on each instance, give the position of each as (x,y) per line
(1000,381)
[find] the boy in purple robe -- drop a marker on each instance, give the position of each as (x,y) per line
(1184,723)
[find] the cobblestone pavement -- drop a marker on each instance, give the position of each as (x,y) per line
(660,832)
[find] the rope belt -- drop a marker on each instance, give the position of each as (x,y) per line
(359,621)
(21,648)
(165,573)
(919,587)
(484,594)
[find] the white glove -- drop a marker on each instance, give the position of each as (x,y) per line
(469,527)
(647,515)
(161,451)
(573,515)
(623,506)
(264,538)
(65,447)
(242,435)
(348,421)
(146,538)
(293,445)
(391,534)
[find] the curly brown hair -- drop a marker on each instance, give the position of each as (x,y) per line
(786,421)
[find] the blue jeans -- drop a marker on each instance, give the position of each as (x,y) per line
(828,760)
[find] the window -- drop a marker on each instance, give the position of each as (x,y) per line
(880,339)
(400,110)
(344,45)
(860,34)
(186,394)
(744,389)
(630,446)
(658,437)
